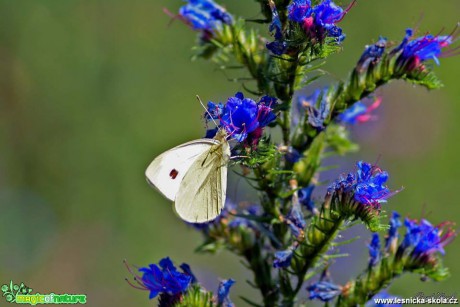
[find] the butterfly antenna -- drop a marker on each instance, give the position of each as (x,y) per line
(206,109)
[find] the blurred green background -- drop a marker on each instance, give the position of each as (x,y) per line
(92,91)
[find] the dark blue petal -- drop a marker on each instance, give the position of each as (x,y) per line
(374,250)
(204,15)
(298,10)
(223,293)
(324,291)
(283,258)
(349,116)
(372,53)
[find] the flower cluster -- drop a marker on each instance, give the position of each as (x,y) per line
(318,21)
(367,185)
(205,16)
(423,239)
(243,118)
(163,279)
(413,52)
(174,286)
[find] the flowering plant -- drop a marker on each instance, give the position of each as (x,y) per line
(288,239)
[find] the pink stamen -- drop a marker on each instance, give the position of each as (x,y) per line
(345,12)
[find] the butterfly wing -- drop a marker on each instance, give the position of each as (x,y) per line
(202,193)
(167,171)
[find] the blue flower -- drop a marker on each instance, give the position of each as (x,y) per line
(319,21)
(392,236)
(316,114)
(324,291)
(416,51)
(374,250)
(164,279)
(188,271)
(298,10)
(370,187)
(358,113)
(243,117)
(283,258)
(367,185)
(275,26)
(223,297)
(204,15)
(426,239)
(376,299)
(372,54)
(295,215)
(291,154)
(305,198)
(327,15)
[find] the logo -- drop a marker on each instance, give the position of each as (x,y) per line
(21,294)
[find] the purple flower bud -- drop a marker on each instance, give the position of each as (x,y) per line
(372,54)
(223,293)
(204,15)
(359,113)
(392,236)
(324,291)
(283,258)
(374,250)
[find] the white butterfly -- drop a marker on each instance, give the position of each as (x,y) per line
(194,176)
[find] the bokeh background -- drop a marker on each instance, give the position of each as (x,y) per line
(92,91)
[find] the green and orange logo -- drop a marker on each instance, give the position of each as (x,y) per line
(21,294)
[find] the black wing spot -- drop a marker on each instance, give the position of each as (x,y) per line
(173,174)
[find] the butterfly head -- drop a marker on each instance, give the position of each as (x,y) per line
(221,135)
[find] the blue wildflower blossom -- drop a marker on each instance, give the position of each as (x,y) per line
(295,215)
(327,15)
(283,258)
(204,15)
(374,250)
(291,154)
(370,187)
(426,239)
(305,198)
(372,54)
(223,293)
(319,21)
(298,10)
(366,185)
(278,46)
(316,114)
(392,236)
(381,295)
(358,113)
(163,279)
(324,291)
(242,117)
(416,51)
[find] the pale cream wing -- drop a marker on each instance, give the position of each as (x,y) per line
(201,195)
(168,169)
